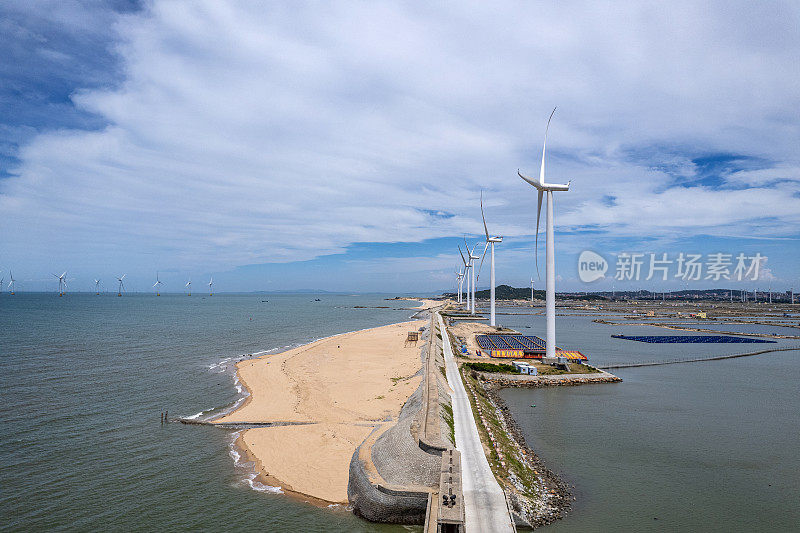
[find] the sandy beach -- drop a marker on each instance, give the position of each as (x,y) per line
(342,387)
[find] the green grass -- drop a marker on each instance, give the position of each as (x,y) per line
(491,367)
(448,418)
(505,443)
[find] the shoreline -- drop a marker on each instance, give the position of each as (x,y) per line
(336,407)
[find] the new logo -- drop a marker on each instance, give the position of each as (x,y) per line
(591,266)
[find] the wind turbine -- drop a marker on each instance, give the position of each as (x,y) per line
(531,290)
(121,286)
(490,241)
(550,274)
(459,279)
(62,284)
(466,271)
(157,285)
(2,280)
(210,284)
(189,286)
(472,258)
(11,285)
(97,286)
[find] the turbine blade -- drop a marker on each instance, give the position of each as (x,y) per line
(536,249)
(485,229)
(483,255)
(529,180)
(544,145)
(154,284)
(462,255)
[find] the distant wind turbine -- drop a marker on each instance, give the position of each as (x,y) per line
(550,274)
(11,285)
(210,286)
(467,265)
(460,276)
(472,258)
(62,284)
(121,286)
(97,286)
(490,241)
(531,289)
(158,285)
(189,286)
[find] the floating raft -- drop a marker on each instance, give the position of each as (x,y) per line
(708,339)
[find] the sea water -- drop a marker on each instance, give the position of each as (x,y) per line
(707,446)
(84,380)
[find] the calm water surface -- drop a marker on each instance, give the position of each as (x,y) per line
(709,446)
(84,379)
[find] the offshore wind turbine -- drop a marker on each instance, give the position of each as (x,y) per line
(97,286)
(189,286)
(531,290)
(490,241)
(62,284)
(543,187)
(158,285)
(121,286)
(11,285)
(210,285)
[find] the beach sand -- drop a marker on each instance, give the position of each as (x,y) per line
(343,386)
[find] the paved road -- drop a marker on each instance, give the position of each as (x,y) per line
(484,503)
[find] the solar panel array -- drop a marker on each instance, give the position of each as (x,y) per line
(690,339)
(527,343)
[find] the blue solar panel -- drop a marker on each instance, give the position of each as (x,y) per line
(526,343)
(691,339)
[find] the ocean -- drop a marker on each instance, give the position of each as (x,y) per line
(85,379)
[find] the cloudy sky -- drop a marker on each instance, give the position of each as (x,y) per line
(344,146)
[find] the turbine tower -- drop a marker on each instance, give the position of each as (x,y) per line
(531,290)
(472,258)
(466,272)
(550,274)
(97,286)
(210,286)
(157,285)
(11,285)
(121,286)
(490,241)
(2,280)
(189,286)
(459,280)
(62,284)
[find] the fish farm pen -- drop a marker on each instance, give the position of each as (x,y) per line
(693,339)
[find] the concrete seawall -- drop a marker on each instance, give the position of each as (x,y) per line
(393,472)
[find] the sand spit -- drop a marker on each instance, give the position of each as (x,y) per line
(344,385)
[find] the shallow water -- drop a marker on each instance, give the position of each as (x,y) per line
(85,378)
(708,446)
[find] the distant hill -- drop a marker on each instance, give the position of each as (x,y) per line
(507,292)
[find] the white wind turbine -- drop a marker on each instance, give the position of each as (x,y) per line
(460,275)
(466,272)
(97,286)
(550,274)
(532,290)
(11,285)
(490,241)
(121,286)
(210,286)
(189,286)
(472,258)
(62,284)
(158,285)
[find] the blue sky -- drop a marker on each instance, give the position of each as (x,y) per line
(344,147)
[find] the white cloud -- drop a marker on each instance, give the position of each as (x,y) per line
(248,133)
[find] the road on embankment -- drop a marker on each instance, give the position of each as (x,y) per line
(485,506)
